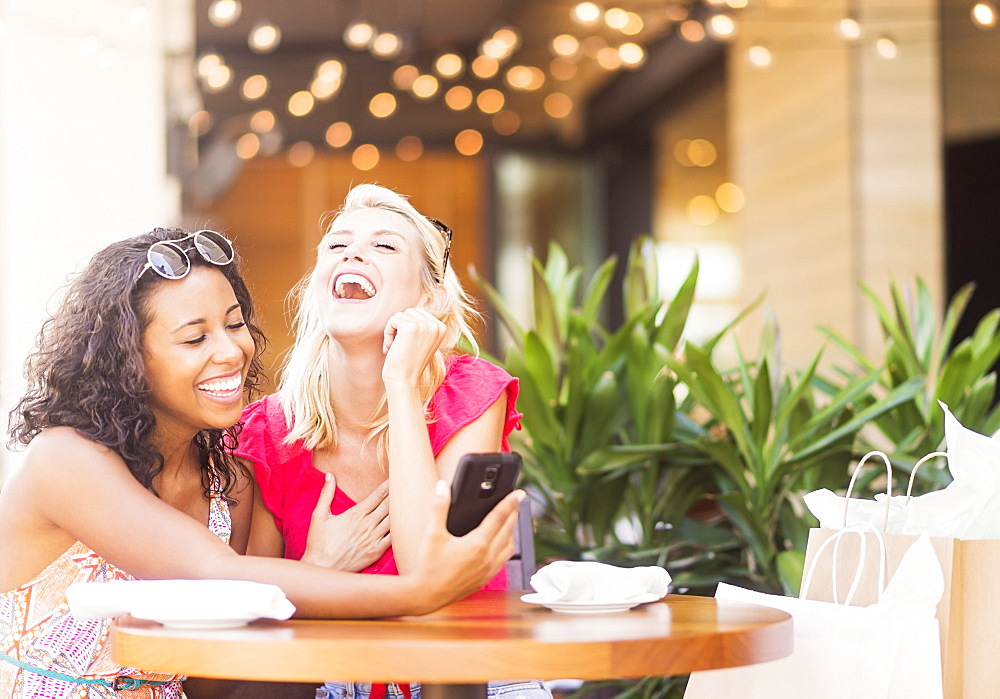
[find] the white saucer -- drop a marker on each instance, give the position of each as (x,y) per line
(203,623)
(591,606)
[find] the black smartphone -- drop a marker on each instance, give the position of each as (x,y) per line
(481,481)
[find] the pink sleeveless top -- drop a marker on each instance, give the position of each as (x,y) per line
(38,629)
(290,486)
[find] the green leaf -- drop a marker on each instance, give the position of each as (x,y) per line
(842,344)
(709,346)
(905,321)
(901,394)
(894,331)
(708,386)
(507,317)
(791,564)
(596,290)
(616,458)
(672,328)
(556,266)
(539,411)
(762,404)
(639,285)
(956,308)
(924,321)
(602,416)
(541,366)
(546,320)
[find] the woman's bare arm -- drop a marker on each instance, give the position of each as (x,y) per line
(86,490)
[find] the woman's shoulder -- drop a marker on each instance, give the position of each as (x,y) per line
(66,444)
(470,387)
(61,457)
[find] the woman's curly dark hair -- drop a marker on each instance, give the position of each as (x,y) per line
(88,372)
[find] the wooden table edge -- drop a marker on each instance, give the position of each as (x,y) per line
(287,652)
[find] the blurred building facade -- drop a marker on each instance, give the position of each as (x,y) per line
(802,149)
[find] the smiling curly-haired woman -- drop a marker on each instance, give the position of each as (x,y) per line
(133,392)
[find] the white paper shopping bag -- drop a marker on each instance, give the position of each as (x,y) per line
(889,649)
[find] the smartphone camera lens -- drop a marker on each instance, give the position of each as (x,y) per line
(489,478)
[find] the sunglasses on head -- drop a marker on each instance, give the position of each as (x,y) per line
(168,259)
(446,232)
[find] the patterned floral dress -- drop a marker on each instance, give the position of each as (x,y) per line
(37,629)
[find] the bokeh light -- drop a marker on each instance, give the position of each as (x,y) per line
(692,30)
(200,123)
(339,134)
(490,101)
(565,45)
(365,157)
(409,148)
(386,45)
(586,13)
(562,68)
(759,56)
(358,35)
(449,65)
(469,142)
(254,87)
(984,15)
(262,121)
(702,210)
(506,122)
(886,47)
(730,197)
(382,105)
(458,98)
(224,13)
(484,67)
(425,86)
(404,76)
(264,37)
(301,103)
(558,105)
(301,154)
(248,146)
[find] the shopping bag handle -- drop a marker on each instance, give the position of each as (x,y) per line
(888,485)
(835,538)
(913,471)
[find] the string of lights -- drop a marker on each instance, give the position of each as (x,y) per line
(451,77)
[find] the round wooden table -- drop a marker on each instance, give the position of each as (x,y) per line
(490,635)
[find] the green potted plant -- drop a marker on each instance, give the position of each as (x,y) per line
(918,343)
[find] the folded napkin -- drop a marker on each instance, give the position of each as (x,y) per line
(583,581)
(187,600)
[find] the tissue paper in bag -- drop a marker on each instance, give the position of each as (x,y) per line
(969,611)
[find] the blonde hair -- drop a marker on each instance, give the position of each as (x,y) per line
(305,389)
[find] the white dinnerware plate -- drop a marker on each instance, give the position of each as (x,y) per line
(590,606)
(206,622)
(203,623)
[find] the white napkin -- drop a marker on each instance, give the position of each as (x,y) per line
(580,581)
(187,600)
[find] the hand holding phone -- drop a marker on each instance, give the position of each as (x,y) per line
(481,481)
